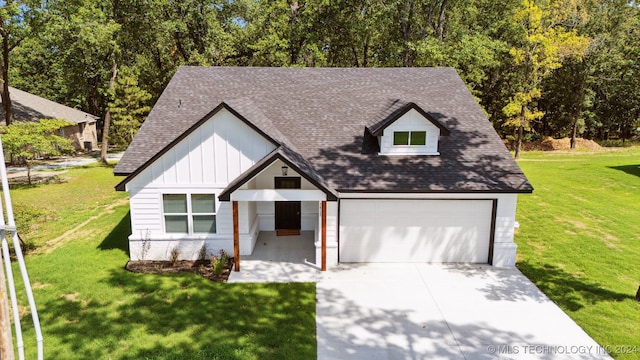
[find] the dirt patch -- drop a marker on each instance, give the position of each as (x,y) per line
(551,144)
(202,268)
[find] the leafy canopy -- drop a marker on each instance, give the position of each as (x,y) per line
(27,141)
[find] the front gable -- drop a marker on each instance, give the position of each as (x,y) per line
(214,153)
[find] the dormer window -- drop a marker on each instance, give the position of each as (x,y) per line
(409,138)
(409,131)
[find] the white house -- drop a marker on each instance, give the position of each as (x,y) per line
(382,165)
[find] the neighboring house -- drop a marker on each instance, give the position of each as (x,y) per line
(383,164)
(29,107)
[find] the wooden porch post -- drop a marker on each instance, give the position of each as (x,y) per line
(324,236)
(236,238)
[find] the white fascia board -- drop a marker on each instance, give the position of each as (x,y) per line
(278,195)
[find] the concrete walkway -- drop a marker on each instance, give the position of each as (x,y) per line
(279,259)
(421,311)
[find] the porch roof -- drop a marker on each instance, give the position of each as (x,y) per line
(292,160)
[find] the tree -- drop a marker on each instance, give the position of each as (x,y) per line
(129,107)
(542,44)
(15,17)
(28,141)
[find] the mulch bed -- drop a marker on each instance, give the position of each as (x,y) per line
(200,267)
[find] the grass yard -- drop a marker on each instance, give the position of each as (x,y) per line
(91,308)
(579,239)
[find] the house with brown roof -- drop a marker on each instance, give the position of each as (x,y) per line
(374,164)
(30,107)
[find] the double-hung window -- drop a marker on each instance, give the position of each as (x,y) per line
(189,213)
(409,138)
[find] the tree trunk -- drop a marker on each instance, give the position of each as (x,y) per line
(107,117)
(576,113)
(638,294)
(523,112)
(6,98)
(405,22)
(441,20)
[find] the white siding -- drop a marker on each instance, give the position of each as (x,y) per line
(214,154)
(411,121)
(206,161)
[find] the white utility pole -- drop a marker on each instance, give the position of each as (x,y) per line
(9,228)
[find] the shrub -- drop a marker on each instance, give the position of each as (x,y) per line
(175,254)
(218,262)
(202,254)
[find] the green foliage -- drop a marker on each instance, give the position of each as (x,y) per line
(539,48)
(218,262)
(27,141)
(525,61)
(129,108)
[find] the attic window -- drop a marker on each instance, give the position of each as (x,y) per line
(410,138)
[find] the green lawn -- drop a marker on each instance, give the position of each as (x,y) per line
(579,238)
(91,308)
(579,241)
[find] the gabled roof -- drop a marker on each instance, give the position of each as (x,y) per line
(292,160)
(29,107)
(264,122)
(376,129)
(326,115)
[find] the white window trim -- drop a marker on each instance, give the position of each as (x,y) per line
(409,139)
(190,214)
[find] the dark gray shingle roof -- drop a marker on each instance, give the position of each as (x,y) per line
(323,115)
(30,107)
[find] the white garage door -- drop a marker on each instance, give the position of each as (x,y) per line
(415,230)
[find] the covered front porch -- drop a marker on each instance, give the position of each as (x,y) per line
(277,196)
(280,259)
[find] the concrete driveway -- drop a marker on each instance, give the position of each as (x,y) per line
(421,311)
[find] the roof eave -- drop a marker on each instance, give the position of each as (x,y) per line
(277,154)
(186,133)
(379,128)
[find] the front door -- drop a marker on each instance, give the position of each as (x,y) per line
(287,212)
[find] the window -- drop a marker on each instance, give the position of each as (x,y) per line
(413,138)
(189,214)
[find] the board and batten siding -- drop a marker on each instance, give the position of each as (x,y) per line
(205,161)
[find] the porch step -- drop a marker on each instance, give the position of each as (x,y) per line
(288,232)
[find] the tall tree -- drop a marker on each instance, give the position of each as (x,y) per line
(15,19)
(129,107)
(542,45)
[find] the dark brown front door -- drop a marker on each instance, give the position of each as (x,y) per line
(287,212)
